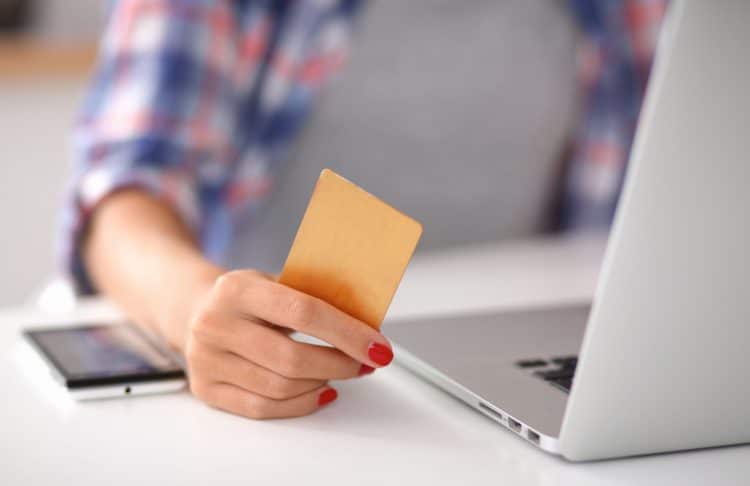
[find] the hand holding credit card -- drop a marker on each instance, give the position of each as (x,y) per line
(351,249)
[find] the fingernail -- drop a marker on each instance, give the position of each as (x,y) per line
(365,370)
(380,353)
(327,396)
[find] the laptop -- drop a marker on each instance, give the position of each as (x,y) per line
(659,361)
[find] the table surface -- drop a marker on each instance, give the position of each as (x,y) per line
(26,58)
(389,427)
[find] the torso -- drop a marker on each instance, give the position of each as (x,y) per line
(454,112)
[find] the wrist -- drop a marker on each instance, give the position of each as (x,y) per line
(192,287)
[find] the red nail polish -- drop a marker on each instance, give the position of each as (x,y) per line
(327,396)
(365,370)
(380,353)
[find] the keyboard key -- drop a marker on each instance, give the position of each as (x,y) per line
(555,374)
(566,361)
(564,383)
(560,377)
(531,363)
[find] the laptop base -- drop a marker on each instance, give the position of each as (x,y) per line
(479,358)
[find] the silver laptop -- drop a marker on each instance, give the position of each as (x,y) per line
(659,361)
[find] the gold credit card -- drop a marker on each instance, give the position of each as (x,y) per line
(351,249)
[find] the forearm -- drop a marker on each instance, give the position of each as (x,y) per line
(140,254)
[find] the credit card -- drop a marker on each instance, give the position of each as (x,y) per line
(351,249)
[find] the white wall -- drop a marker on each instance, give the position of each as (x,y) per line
(35,117)
(68,20)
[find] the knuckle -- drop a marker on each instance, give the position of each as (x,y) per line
(230,284)
(301,310)
(201,389)
(192,353)
(203,327)
(293,360)
(198,361)
(258,408)
(280,388)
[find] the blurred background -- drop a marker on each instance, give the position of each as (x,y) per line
(485,94)
(394,103)
(47,49)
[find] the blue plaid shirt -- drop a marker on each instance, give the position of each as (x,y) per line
(197,102)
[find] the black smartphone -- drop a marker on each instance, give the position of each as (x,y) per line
(102,360)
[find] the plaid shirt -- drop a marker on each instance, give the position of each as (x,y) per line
(197,102)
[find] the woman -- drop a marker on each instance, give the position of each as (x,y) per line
(193,110)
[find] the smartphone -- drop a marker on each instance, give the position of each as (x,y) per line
(106,360)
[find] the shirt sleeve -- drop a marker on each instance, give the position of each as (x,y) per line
(158,114)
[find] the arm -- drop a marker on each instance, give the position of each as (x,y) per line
(137,208)
(139,253)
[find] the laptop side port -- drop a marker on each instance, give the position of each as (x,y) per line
(491,411)
(532,436)
(514,425)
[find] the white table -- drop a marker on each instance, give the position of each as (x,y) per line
(389,428)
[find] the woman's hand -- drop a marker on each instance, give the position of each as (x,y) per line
(235,333)
(241,359)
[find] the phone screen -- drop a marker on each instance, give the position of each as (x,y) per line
(92,355)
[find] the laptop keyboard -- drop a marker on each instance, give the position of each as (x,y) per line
(558,371)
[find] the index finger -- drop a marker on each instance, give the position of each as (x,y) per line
(285,306)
